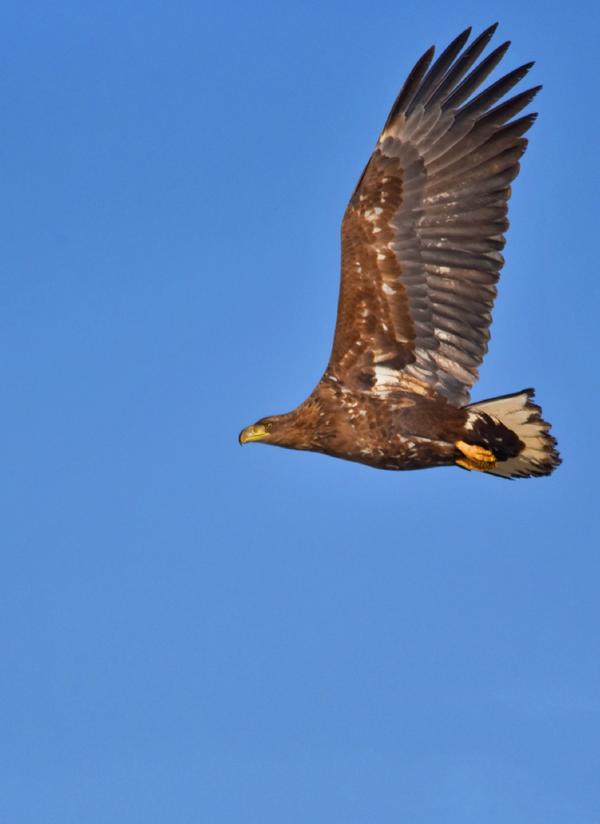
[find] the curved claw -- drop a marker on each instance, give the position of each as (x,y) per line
(477,457)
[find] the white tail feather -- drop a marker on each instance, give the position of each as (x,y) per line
(518,413)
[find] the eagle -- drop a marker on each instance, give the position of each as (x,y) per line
(421,254)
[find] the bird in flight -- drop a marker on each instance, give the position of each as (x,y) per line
(421,254)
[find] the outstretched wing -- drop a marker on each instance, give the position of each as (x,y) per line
(422,234)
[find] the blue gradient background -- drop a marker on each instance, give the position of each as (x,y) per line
(192,632)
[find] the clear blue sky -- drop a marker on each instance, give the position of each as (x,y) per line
(195,633)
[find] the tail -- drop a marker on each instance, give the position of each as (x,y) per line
(535,453)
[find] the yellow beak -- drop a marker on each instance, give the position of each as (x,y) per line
(256,432)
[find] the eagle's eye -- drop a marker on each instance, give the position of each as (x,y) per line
(268,426)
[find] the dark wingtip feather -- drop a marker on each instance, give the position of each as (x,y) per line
(527,121)
(486,99)
(488,33)
(461,38)
(509,108)
(463,64)
(438,70)
(434,83)
(474,80)
(411,85)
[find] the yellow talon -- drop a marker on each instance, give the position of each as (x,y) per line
(477,457)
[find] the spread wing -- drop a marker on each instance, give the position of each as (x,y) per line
(423,232)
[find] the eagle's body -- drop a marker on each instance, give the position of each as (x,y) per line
(421,241)
(407,432)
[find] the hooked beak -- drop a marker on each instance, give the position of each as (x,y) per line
(256,432)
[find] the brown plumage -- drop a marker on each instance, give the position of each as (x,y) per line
(421,254)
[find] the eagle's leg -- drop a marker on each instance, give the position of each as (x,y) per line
(477,457)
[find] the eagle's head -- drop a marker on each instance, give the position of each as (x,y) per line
(259,431)
(295,430)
